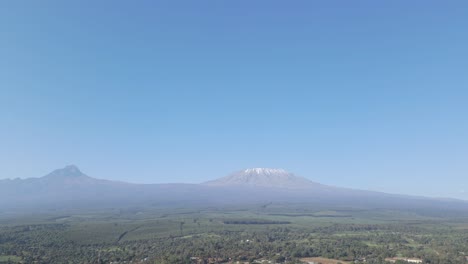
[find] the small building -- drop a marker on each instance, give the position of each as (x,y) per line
(409,260)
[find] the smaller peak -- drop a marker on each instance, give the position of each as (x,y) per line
(67,171)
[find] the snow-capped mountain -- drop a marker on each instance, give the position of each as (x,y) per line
(264,177)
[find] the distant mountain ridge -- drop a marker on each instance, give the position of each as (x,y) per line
(70,188)
(64,177)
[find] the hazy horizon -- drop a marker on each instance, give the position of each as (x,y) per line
(362,95)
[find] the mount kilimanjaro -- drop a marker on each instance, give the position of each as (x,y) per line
(264,177)
(70,188)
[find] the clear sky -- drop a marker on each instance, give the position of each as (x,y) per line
(361,94)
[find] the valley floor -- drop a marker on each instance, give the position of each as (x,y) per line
(276,233)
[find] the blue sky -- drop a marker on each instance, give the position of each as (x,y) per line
(362,94)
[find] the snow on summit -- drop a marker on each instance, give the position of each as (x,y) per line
(265,171)
(263,177)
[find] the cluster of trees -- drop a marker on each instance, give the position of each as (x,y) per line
(279,243)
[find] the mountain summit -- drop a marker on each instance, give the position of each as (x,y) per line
(263,177)
(70,171)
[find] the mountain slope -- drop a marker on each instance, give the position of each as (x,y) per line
(66,185)
(69,178)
